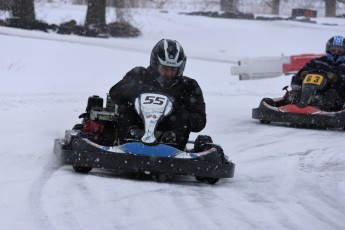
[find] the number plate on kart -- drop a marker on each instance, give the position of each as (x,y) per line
(314,79)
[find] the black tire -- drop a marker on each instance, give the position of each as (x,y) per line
(243,77)
(81,169)
(162,177)
(78,127)
(200,179)
(268,101)
(265,122)
(202,142)
(210,180)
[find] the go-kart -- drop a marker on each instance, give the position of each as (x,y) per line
(314,107)
(94,144)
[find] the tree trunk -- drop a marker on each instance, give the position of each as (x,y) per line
(228,5)
(121,12)
(275,7)
(330,6)
(95,12)
(6,4)
(120,3)
(24,9)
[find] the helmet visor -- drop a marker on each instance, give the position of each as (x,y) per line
(166,71)
(337,50)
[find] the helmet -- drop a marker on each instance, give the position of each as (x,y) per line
(335,49)
(168,53)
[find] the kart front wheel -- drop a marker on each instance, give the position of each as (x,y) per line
(81,169)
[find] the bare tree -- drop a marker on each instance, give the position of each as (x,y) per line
(6,4)
(95,12)
(24,9)
(160,3)
(275,6)
(121,9)
(229,5)
(330,8)
(79,2)
(210,3)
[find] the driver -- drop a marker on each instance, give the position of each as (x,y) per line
(164,75)
(333,63)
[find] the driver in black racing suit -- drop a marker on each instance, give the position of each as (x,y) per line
(333,63)
(164,75)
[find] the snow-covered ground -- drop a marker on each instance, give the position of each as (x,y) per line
(285,178)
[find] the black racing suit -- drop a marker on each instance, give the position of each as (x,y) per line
(188,113)
(335,91)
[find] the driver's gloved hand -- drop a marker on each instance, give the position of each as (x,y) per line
(331,100)
(332,77)
(168,137)
(133,132)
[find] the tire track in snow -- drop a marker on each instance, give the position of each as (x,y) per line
(323,217)
(90,196)
(36,194)
(246,191)
(188,205)
(316,164)
(316,204)
(66,215)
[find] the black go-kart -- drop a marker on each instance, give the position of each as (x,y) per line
(94,144)
(314,108)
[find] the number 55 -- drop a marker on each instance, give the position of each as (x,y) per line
(154,100)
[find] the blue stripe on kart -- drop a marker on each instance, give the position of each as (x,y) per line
(160,150)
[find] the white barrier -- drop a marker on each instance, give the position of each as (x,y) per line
(261,67)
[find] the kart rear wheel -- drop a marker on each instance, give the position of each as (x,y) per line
(162,177)
(210,180)
(78,127)
(265,122)
(243,77)
(200,179)
(81,169)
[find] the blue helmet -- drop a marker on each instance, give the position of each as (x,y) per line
(335,49)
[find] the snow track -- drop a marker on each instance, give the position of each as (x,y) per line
(36,194)
(285,178)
